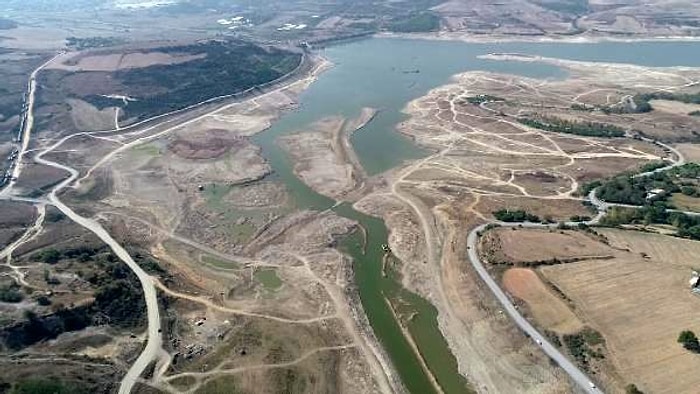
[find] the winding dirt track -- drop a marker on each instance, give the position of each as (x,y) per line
(450,135)
(153,350)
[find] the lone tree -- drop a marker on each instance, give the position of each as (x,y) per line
(689,341)
(632,389)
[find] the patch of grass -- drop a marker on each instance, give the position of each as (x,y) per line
(688,98)
(92,42)
(289,380)
(685,202)
(592,337)
(219,385)
(219,263)
(242,232)
(419,22)
(585,345)
(268,278)
(149,150)
(214,194)
(183,382)
(43,386)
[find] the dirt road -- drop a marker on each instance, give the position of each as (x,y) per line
(27,125)
(578,376)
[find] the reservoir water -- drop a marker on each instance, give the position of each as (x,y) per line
(386,74)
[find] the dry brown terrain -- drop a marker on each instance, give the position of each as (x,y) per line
(674,107)
(256,289)
(516,246)
(318,164)
(210,144)
(690,151)
(483,159)
(119,61)
(565,18)
(686,203)
(546,308)
(638,301)
(640,305)
(324,158)
(16,217)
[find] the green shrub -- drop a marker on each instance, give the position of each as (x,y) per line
(589,129)
(43,300)
(518,215)
(689,341)
(49,256)
(11,294)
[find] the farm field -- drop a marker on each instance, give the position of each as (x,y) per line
(639,301)
(546,308)
(685,203)
(519,247)
(307,231)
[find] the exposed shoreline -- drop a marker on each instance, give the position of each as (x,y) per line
(486,38)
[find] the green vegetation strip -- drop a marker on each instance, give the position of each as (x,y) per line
(218,263)
(482,98)
(416,23)
(517,215)
(587,129)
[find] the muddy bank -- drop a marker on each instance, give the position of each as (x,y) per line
(323,156)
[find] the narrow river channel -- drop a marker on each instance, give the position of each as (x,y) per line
(386,74)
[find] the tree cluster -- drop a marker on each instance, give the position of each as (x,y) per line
(689,341)
(227,67)
(588,129)
(517,215)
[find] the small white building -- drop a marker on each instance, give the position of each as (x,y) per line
(653,193)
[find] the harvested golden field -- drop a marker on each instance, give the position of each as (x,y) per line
(546,308)
(674,107)
(119,61)
(554,209)
(690,151)
(640,301)
(522,246)
(686,203)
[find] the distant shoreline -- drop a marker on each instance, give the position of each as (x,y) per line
(490,38)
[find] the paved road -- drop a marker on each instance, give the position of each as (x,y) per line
(578,376)
(603,206)
(154,342)
(153,347)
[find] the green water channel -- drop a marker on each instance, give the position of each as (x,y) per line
(386,74)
